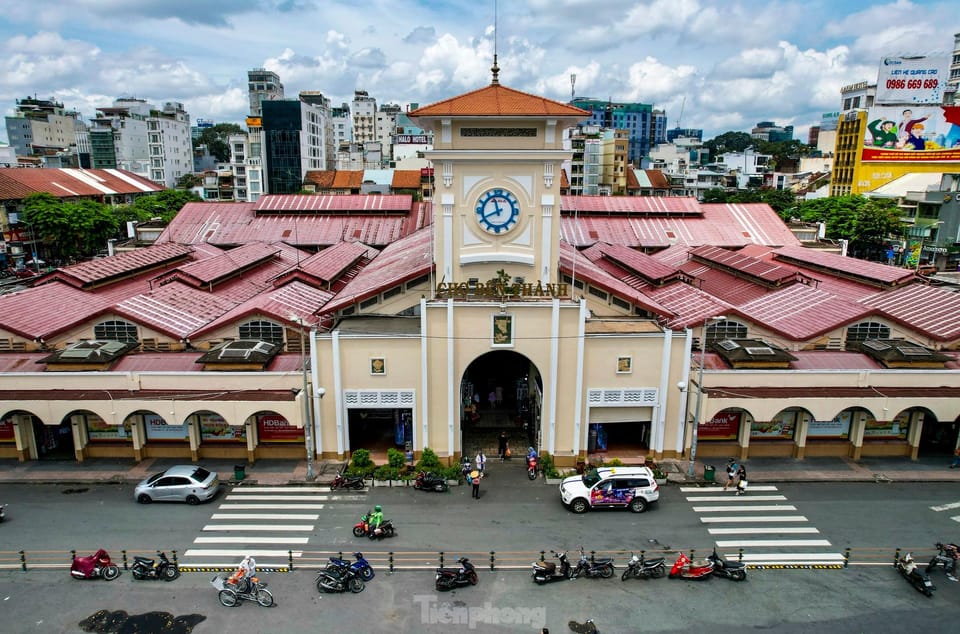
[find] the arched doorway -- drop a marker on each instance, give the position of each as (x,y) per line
(937,438)
(54,442)
(501,391)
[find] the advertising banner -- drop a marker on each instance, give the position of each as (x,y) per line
(913,80)
(780,427)
(6,430)
(723,426)
(214,429)
(895,429)
(836,429)
(159,429)
(99,429)
(273,428)
(912,134)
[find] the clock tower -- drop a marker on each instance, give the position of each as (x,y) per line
(497,160)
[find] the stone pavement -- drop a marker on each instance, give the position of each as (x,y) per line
(285,472)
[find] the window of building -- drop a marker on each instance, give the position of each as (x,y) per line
(727,329)
(367,303)
(866,330)
(116,330)
(262,331)
(596,292)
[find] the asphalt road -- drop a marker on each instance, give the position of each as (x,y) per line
(515,518)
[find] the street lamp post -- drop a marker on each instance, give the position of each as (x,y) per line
(696,407)
(307,409)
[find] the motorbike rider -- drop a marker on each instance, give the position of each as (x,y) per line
(376,519)
(531,453)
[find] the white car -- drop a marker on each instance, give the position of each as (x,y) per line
(183,483)
(608,487)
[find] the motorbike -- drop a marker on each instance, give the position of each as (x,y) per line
(643,568)
(161,568)
(532,467)
(466,467)
(230,594)
(429,481)
(97,565)
(339,580)
(362,528)
(592,567)
(341,481)
(449,578)
(685,568)
(547,571)
(735,570)
(361,566)
(908,569)
(3,511)
(947,556)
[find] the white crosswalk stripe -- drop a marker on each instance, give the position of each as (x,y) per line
(948,507)
(760,533)
(252,519)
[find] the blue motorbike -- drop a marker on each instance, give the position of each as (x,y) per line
(361,567)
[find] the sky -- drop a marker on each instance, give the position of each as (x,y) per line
(718,66)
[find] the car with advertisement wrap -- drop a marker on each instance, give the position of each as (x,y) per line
(610,487)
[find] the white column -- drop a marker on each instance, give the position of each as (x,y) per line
(424,376)
(578,399)
(554,371)
(338,391)
(451,391)
(684,400)
(658,427)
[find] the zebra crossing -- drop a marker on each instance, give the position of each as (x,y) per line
(267,522)
(763,525)
(952,506)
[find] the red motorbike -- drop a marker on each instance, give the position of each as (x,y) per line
(342,481)
(362,528)
(97,565)
(685,568)
(532,467)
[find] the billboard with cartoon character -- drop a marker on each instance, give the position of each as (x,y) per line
(919,133)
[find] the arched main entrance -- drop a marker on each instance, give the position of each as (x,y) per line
(501,391)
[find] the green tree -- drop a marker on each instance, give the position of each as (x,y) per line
(782,201)
(188,181)
(164,204)
(716,195)
(215,138)
(69,229)
(729,142)
(868,224)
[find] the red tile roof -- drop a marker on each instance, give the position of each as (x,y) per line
(800,312)
(15,183)
(496,100)
(320,203)
(289,303)
(406,179)
(932,310)
(347,179)
(634,205)
(658,180)
(868,271)
(122,265)
(322,179)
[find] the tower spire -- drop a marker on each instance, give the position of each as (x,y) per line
(495,70)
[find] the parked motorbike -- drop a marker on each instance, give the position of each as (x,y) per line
(592,567)
(361,566)
(3,511)
(97,565)
(908,569)
(685,568)
(450,578)
(339,580)
(466,467)
(230,594)
(947,556)
(643,568)
(429,481)
(532,467)
(342,481)
(735,570)
(161,568)
(362,528)
(547,571)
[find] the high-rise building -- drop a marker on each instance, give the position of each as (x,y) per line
(262,85)
(40,126)
(364,111)
(342,127)
(953,80)
(769,131)
(295,137)
(645,126)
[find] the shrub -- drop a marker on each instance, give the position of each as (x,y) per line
(386,472)
(616,462)
(452,473)
(548,466)
(429,461)
(658,473)
(360,463)
(396,459)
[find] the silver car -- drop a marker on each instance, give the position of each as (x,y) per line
(183,483)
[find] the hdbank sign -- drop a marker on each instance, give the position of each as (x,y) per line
(912,80)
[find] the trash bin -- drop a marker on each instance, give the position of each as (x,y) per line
(708,472)
(239,472)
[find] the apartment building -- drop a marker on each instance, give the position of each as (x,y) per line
(262,85)
(645,126)
(44,126)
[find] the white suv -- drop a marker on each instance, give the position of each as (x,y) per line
(631,487)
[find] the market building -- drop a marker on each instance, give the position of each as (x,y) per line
(588,327)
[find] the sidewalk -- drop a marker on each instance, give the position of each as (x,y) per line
(287,472)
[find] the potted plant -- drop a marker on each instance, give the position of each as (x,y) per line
(659,475)
(550,473)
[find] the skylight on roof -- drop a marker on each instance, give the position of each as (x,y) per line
(758,351)
(875,344)
(728,345)
(913,351)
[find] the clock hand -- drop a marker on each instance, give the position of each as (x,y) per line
(496,211)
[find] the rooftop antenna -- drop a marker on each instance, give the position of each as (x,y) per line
(495,69)
(573,84)
(680,118)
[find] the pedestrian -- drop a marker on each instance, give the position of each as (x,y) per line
(492,398)
(475,481)
(731,473)
(741,480)
(502,445)
(481,460)
(499,392)
(956,458)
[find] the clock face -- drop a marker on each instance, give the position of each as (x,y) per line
(497,210)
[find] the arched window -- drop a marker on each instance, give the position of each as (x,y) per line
(866,330)
(726,329)
(116,330)
(262,331)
